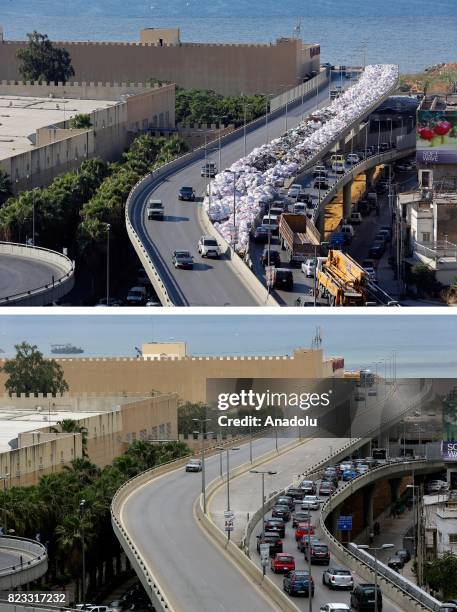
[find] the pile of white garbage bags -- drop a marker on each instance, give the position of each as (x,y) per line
(235,196)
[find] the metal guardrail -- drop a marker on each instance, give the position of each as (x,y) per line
(400,583)
(65,281)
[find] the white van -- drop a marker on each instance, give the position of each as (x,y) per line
(300,208)
(271,221)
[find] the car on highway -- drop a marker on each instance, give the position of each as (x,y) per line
(321,183)
(376,250)
(339,167)
(371,273)
(362,468)
(326,488)
(363,597)
(112,301)
(305,540)
(261,233)
(352,158)
(320,171)
(275,525)
(282,563)
(286,500)
(295,492)
(318,553)
(404,554)
(137,296)
(396,563)
(281,511)
(302,529)
(209,170)
(300,516)
(299,582)
(274,259)
(349,474)
(284,279)
(194,465)
(186,193)
(300,208)
(334,607)
(355,218)
(338,578)
(273,540)
(331,472)
(308,267)
(208,247)
(310,502)
(183,260)
(155,209)
(309,487)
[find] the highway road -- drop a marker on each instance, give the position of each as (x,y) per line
(191,570)
(211,282)
(22,274)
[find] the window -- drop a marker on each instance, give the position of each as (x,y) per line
(453,538)
(425,236)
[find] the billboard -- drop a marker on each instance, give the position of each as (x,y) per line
(449,443)
(436,137)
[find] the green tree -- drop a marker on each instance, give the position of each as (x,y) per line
(441,574)
(424,279)
(81,121)
(29,372)
(40,60)
(5,186)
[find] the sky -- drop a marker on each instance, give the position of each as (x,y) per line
(424,344)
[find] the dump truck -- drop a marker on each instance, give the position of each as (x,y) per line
(298,236)
(342,279)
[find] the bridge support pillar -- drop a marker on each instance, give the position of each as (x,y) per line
(368,495)
(334,523)
(394,489)
(365,450)
(342,144)
(321,222)
(347,200)
(369,177)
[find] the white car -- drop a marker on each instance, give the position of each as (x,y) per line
(310,502)
(293,192)
(137,296)
(352,158)
(309,268)
(194,465)
(334,607)
(208,247)
(338,578)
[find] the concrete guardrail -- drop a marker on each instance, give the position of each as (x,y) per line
(54,290)
(34,562)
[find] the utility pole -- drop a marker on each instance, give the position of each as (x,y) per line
(201,432)
(82,507)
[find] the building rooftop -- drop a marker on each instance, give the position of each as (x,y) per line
(14,421)
(21,116)
(439,102)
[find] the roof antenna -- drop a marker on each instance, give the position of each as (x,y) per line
(297,28)
(317,340)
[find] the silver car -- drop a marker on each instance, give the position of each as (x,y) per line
(338,578)
(310,502)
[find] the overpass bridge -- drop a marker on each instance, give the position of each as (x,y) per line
(21,561)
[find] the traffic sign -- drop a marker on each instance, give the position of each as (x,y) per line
(270,275)
(344,523)
(264,554)
(229,526)
(229,519)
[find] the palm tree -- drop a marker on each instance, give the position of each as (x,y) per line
(72,426)
(5,186)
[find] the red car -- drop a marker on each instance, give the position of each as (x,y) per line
(303,529)
(282,563)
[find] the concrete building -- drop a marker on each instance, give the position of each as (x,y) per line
(160,54)
(37,141)
(167,368)
(440,522)
(428,219)
(29,448)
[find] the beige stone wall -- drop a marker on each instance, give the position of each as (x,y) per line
(187,376)
(226,68)
(108,435)
(159,36)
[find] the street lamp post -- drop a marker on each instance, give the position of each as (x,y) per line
(375,549)
(82,507)
(234,448)
(262,473)
(108,228)
(202,422)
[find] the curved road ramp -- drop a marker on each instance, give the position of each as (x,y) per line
(21,561)
(33,276)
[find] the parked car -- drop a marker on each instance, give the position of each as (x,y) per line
(194,465)
(275,525)
(310,502)
(338,578)
(376,250)
(318,552)
(186,193)
(303,529)
(281,512)
(404,554)
(396,563)
(273,540)
(299,582)
(208,247)
(371,273)
(182,259)
(282,563)
(363,597)
(308,267)
(274,258)
(284,279)
(137,296)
